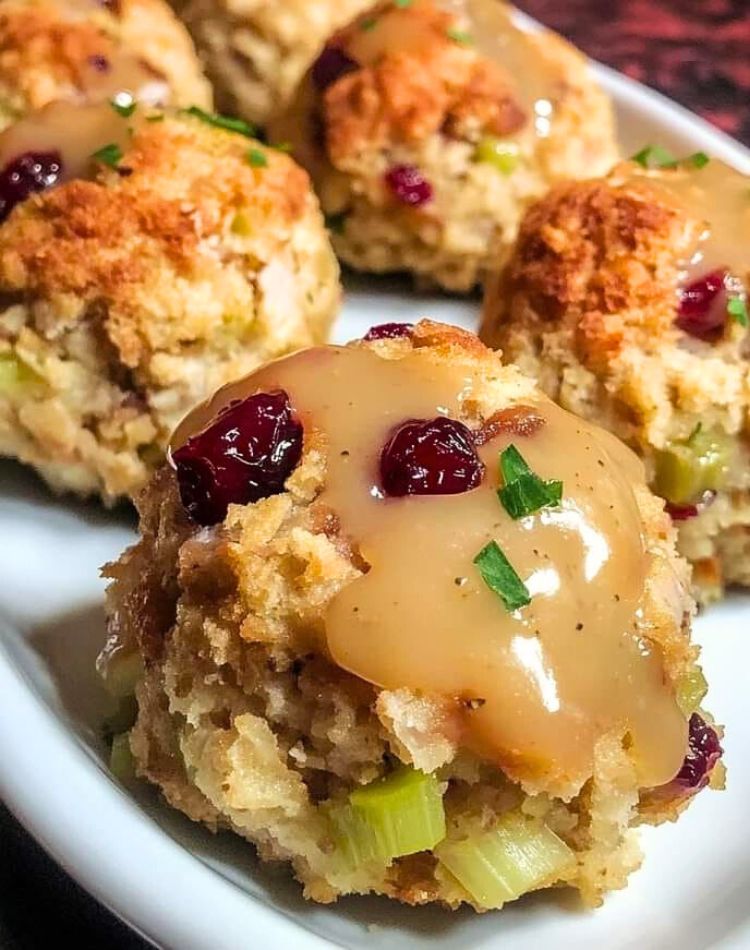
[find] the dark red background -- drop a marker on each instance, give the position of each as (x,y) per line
(697,52)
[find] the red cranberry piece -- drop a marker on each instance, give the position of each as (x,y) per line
(702,310)
(30,172)
(388,331)
(331,65)
(408,184)
(100,63)
(704,751)
(430,457)
(247,453)
(686,512)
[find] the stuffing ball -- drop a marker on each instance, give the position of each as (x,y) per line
(356,644)
(428,131)
(86,52)
(175,253)
(256,52)
(627,299)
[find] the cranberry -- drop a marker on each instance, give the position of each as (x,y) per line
(100,63)
(388,331)
(704,751)
(330,66)
(247,453)
(409,185)
(702,310)
(686,512)
(430,457)
(30,172)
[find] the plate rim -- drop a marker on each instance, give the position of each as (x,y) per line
(118,886)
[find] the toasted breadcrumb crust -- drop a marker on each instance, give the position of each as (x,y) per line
(586,302)
(429,105)
(256,52)
(244,723)
(126,300)
(47,48)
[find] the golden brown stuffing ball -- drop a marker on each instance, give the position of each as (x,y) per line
(256,52)
(345,648)
(428,128)
(86,51)
(167,260)
(627,299)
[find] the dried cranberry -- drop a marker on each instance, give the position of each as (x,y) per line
(100,63)
(30,172)
(247,453)
(388,331)
(409,185)
(430,457)
(704,751)
(686,512)
(702,310)
(331,65)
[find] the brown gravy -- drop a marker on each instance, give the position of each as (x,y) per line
(553,676)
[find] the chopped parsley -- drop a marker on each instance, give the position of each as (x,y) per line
(403,4)
(156,117)
(222,121)
(656,156)
(698,159)
(499,575)
(524,492)
(123,104)
(108,155)
(737,310)
(256,158)
(459,36)
(285,147)
(368,23)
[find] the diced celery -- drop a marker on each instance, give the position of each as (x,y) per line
(15,375)
(684,470)
(122,672)
(400,814)
(518,855)
(121,761)
(691,688)
(503,155)
(123,718)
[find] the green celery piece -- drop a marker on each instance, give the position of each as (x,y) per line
(518,855)
(121,761)
(494,151)
(15,375)
(397,815)
(122,672)
(737,310)
(691,688)
(501,578)
(684,470)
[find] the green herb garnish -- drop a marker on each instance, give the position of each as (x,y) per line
(123,104)
(403,4)
(459,36)
(698,159)
(368,23)
(156,117)
(256,158)
(737,309)
(285,147)
(655,156)
(222,121)
(498,574)
(108,155)
(524,492)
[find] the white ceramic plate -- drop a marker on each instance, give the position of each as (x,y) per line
(186,889)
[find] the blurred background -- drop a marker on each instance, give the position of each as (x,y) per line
(695,51)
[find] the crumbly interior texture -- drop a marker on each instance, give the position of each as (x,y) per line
(245,724)
(256,53)
(586,301)
(127,299)
(429,106)
(47,46)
